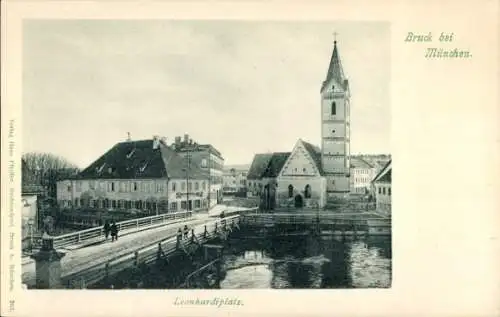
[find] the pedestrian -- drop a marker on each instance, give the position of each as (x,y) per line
(186,231)
(107,229)
(114,232)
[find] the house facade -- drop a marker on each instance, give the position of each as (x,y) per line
(209,159)
(383,190)
(234,179)
(362,174)
(145,175)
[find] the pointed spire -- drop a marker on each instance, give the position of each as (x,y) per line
(335,70)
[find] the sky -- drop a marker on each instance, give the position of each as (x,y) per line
(245,87)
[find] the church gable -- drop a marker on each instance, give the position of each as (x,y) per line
(300,163)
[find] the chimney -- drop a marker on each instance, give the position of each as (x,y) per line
(156,142)
(186,138)
(163,140)
(190,141)
(177,140)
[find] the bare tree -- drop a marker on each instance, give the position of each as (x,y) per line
(42,162)
(48,168)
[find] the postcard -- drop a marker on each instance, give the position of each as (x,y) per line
(211,158)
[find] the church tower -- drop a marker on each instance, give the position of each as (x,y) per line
(335,124)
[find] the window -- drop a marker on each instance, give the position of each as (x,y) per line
(94,203)
(112,186)
(334,108)
(173,207)
(82,202)
(174,185)
(113,203)
(120,204)
(290,191)
(383,190)
(92,184)
(183,205)
(304,169)
(307,191)
(196,186)
(76,202)
(78,186)
(204,163)
(135,186)
(380,190)
(389,191)
(197,203)
(183,186)
(190,186)
(203,185)
(159,187)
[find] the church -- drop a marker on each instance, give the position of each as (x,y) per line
(310,176)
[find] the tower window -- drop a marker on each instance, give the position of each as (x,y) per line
(334,108)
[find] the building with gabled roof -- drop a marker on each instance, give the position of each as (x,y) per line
(382,185)
(301,182)
(145,175)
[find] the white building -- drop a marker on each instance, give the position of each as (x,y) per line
(382,185)
(234,179)
(362,174)
(142,175)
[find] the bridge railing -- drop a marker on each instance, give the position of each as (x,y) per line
(146,254)
(309,218)
(79,237)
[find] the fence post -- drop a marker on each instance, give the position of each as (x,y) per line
(205,232)
(163,218)
(151,220)
(137,223)
(136,258)
(192,235)
(78,238)
(215,230)
(178,244)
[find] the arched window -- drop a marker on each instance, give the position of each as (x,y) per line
(334,108)
(307,191)
(290,191)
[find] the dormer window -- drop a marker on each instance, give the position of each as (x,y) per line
(99,170)
(143,167)
(129,155)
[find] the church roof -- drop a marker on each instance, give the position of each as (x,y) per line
(315,153)
(275,164)
(259,165)
(138,159)
(335,70)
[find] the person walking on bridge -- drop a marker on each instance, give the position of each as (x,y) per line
(186,231)
(107,229)
(114,232)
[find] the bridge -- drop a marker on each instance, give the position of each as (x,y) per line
(88,250)
(90,259)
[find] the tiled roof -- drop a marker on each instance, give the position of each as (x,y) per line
(259,165)
(385,174)
(275,164)
(138,159)
(315,153)
(359,163)
(335,70)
